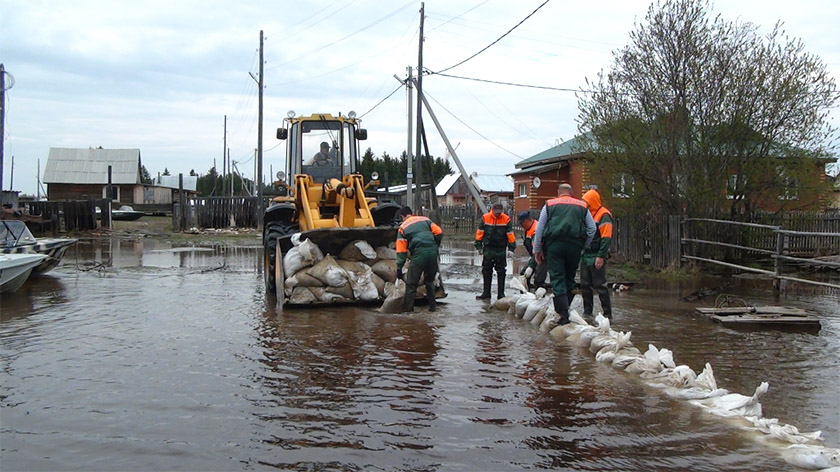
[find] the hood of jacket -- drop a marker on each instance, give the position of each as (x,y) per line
(593,199)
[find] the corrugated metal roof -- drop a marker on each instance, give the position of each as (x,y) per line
(554,152)
(446,183)
(493,183)
(90,166)
(541,168)
(171,181)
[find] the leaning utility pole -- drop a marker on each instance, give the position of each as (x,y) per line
(418,151)
(224,159)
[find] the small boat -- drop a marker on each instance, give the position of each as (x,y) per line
(125,213)
(15,238)
(16,268)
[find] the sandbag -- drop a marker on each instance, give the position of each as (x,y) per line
(354,267)
(386,253)
(362,284)
(302,295)
(394,302)
(386,270)
(310,252)
(378,283)
(502,304)
(539,317)
(345,291)
(301,279)
(329,272)
(323,295)
(293,262)
(359,250)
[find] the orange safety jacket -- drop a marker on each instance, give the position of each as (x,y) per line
(495,233)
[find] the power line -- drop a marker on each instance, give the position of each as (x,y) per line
(544,87)
(496,41)
(473,129)
(382,101)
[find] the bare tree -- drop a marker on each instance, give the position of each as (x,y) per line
(704,115)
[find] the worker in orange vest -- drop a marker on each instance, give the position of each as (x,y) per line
(493,237)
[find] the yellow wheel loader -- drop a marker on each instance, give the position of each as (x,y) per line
(323,199)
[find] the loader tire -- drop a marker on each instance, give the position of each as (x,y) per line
(273,231)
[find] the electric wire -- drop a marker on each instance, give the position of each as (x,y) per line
(383,100)
(473,129)
(496,41)
(368,26)
(457,16)
(513,84)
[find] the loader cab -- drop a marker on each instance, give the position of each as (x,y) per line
(321,145)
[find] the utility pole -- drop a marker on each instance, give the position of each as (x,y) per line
(224,160)
(2,118)
(259,141)
(38,190)
(409,158)
(258,178)
(418,151)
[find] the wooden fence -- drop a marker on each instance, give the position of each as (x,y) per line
(65,216)
(217,212)
(654,241)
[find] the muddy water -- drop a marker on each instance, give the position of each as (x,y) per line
(135,356)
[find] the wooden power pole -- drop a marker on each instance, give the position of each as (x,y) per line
(418,151)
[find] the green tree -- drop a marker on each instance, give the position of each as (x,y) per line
(145,178)
(703,115)
(166,171)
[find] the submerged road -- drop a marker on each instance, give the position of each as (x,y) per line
(164,359)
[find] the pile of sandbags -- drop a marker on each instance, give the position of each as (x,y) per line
(360,272)
(656,368)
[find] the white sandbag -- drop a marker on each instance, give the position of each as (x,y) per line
(363,286)
(523,303)
(812,457)
(293,262)
(310,252)
(583,337)
(694,393)
(680,376)
(518,283)
(386,270)
(394,302)
(550,320)
(386,253)
(329,272)
(302,295)
(605,355)
(532,308)
(784,432)
(735,404)
(625,357)
(359,250)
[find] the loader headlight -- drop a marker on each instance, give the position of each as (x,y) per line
(374,175)
(281,175)
(290,113)
(352,115)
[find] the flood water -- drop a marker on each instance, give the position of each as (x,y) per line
(133,355)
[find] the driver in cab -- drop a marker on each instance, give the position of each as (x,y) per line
(324,157)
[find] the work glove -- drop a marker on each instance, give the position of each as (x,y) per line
(512,247)
(480,251)
(478,245)
(399,274)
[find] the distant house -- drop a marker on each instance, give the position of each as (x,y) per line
(537,177)
(165,189)
(82,174)
(452,189)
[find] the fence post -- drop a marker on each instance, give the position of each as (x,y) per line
(182,201)
(780,247)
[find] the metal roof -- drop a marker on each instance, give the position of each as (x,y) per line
(493,183)
(538,169)
(171,181)
(90,166)
(446,183)
(564,149)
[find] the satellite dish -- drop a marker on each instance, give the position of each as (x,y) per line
(537,182)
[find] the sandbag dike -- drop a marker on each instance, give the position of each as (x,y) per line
(657,368)
(357,273)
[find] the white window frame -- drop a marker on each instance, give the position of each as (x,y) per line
(522,190)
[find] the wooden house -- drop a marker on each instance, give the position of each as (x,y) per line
(452,189)
(536,179)
(82,174)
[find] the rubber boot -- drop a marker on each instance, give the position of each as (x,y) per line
(588,302)
(485,295)
(606,304)
(500,278)
(561,306)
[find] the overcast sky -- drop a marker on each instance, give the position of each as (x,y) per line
(161,75)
